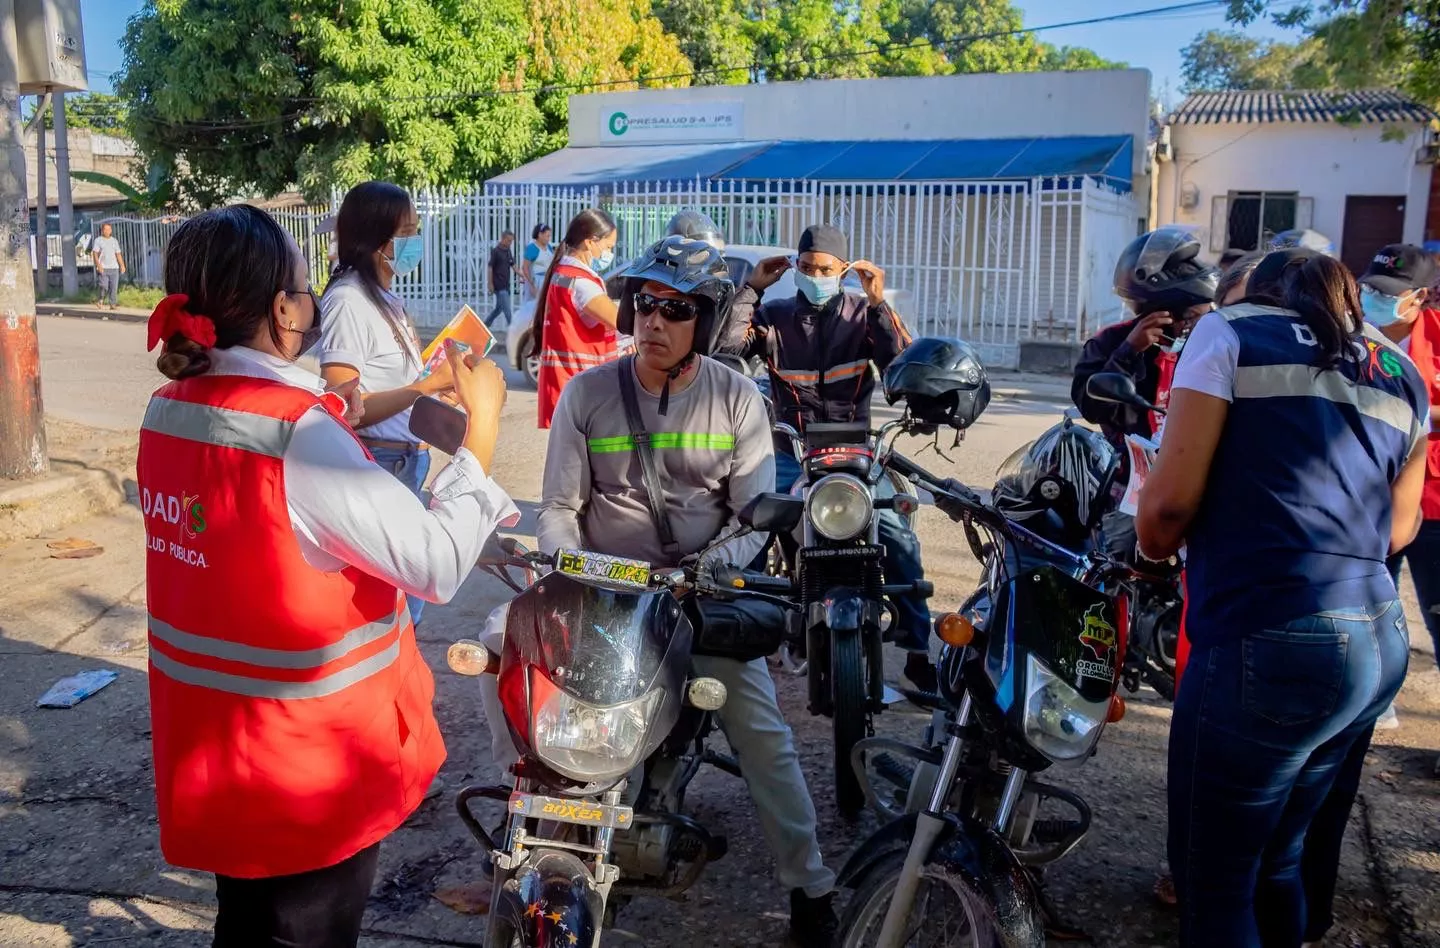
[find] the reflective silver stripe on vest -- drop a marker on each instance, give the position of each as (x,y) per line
(266,688)
(221,427)
(277,657)
(1299,381)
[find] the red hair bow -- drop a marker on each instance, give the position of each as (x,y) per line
(171,318)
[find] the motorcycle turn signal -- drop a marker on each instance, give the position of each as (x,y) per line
(468,657)
(954,629)
(707,694)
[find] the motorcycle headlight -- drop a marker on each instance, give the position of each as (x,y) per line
(1059,722)
(585,742)
(839,506)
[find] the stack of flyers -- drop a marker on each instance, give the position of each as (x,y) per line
(442,353)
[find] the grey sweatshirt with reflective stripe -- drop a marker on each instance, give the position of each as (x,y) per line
(712,447)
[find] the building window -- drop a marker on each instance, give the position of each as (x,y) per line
(1247,220)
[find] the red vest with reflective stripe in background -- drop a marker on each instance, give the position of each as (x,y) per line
(290,708)
(1425,352)
(569,345)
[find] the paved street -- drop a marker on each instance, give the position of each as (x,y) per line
(79,862)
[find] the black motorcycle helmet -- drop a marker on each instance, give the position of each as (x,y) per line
(1161,272)
(697,226)
(1058,485)
(941,380)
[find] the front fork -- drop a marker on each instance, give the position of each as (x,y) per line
(823,621)
(930,824)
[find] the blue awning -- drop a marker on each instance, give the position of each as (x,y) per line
(1109,158)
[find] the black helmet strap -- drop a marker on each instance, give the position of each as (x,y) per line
(677,370)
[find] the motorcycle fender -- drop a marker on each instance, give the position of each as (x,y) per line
(844,613)
(551,899)
(977,853)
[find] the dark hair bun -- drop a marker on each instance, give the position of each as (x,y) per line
(182,358)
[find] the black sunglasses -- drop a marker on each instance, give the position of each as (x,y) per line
(671,310)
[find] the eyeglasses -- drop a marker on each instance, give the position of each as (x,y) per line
(670,310)
(314,297)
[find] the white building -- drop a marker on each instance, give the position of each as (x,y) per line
(998,202)
(1242,166)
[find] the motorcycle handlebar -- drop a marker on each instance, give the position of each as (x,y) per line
(731,579)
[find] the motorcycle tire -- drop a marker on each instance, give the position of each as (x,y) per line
(865,912)
(848,691)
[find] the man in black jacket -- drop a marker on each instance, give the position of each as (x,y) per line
(818,346)
(1131,348)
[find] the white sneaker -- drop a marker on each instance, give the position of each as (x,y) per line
(1388,720)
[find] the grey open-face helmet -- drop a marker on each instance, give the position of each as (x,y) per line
(693,267)
(697,226)
(1161,271)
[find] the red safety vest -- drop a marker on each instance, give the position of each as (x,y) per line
(1425,353)
(290,709)
(1165,366)
(569,345)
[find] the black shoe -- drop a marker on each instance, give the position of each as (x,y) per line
(813,923)
(921,673)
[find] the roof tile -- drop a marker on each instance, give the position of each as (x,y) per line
(1235,107)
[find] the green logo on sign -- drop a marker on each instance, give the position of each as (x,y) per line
(619,122)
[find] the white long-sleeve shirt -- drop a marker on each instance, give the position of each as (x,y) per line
(348,511)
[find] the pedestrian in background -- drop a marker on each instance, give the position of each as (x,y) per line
(535,262)
(574,325)
(291,712)
(109,264)
(502,264)
(1289,491)
(367,336)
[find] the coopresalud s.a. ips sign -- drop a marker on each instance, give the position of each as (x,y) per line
(698,121)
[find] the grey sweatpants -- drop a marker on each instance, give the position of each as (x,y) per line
(762,741)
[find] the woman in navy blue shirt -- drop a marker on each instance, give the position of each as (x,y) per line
(1289,469)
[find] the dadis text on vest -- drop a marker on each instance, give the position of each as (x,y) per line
(184,514)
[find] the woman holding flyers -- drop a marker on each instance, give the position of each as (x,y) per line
(366,335)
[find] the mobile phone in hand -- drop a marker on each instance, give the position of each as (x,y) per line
(438,424)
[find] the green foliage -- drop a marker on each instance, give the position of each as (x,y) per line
(1218,60)
(94,110)
(157,195)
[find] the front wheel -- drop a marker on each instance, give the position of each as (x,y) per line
(848,691)
(947,913)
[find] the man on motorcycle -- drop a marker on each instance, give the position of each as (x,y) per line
(710,435)
(818,346)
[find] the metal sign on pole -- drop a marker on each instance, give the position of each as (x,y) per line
(22,415)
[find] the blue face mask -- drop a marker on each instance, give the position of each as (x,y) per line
(818,290)
(408,251)
(603,262)
(1380,310)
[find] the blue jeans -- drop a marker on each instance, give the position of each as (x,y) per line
(1264,726)
(902,563)
(501,308)
(410,468)
(1423,555)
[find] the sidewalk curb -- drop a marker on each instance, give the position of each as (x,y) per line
(70,493)
(87,311)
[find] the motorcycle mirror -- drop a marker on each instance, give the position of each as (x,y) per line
(468,657)
(773,512)
(1116,388)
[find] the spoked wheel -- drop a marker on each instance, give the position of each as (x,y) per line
(848,680)
(947,912)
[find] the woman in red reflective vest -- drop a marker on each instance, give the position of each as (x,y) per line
(291,711)
(574,324)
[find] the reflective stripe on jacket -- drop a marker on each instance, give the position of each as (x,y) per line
(569,346)
(290,708)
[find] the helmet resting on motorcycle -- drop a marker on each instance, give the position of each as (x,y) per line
(1161,272)
(941,380)
(693,267)
(697,226)
(1302,238)
(1057,485)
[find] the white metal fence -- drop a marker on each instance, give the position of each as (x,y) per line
(992,262)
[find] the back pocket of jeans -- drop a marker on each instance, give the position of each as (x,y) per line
(1292,678)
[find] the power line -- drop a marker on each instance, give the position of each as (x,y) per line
(876,50)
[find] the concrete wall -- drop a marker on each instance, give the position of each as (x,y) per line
(991,105)
(1324,162)
(89,151)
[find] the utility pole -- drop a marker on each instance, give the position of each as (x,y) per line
(42,202)
(22,416)
(68,279)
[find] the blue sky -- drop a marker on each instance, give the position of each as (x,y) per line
(1153,43)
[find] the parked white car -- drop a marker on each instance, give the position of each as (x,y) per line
(742,259)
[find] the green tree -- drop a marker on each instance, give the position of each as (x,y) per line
(95,110)
(1217,60)
(1074,59)
(714,35)
(1364,43)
